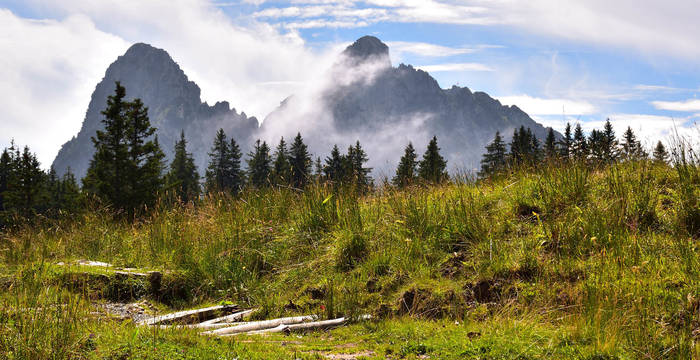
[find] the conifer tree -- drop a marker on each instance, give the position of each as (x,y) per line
(631,147)
(6,172)
(281,169)
(26,194)
(334,168)
(235,176)
(609,143)
(126,169)
(566,143)
(259,165)
(53,191)
(224,170)
(433,167)
(660,153)
(356,172)
(598,146)
(183,177)
(579,148)
(494,159)
(70,198)
(406,173)
(550,147)
(300,161)
(318,171)
(535,151)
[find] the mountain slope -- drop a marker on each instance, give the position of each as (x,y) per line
(366,98)
(173,102)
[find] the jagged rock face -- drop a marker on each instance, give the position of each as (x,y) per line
(173,102)
(397,105)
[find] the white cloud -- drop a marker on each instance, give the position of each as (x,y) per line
(398,48)
(455,67)
(49,69)
(648,128)
(649,26)
(684,106)
(540,106)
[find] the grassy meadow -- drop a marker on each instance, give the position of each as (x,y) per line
(560,262)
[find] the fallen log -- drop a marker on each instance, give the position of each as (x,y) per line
(277,329)
(261,325)
(317,324)
(238,316)
(189,315)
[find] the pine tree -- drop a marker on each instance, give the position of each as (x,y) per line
(631,147)
(494,159)
(598,146)
(106,175)
(183,177)
(70,199)
(433,166)
(126,169)
(550,145)
(26,194)
(259,165)
(579,147)
(660,153)
(318,171)
(406,173)
(218,173)
(334,168)
(6,172)
(300,162)
(53,191)
(566,143)
(235,176)
(609,143)
(535,151)
(282,169)
(356,172)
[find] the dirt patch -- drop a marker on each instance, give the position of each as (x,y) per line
(426,304)
(488,291)
(135,311)
(454,266)
(527,212)
(353,356)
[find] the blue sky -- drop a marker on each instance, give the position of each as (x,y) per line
(559,60)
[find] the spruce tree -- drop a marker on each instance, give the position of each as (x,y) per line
(300,162)
(53,191)
(259,165)
(356,171)
(183,177)
(406,173)
(281,170)
(534,151)
(598,146)
(6,172)
(26,194)
(235,176)
(550,147)
(70,198)
(433,167)
(579,148)
(566,143)
(631,147)
(218,173)
(660,153)
(126,169)
(494,159)
(318,171)
(609,143)
(334,168)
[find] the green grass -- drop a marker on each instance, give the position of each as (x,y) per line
(560,262)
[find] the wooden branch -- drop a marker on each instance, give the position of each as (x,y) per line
(317,324)
(238,316)
(261,325)
(180,316)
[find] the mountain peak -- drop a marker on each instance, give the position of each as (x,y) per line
(368,48)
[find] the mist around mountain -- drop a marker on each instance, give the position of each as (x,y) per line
(173,102)
(361,97)
(364,98)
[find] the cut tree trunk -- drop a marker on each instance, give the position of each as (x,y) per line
(188,316)
(261,325)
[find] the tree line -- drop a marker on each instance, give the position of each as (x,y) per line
(128,173)
(599,147)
